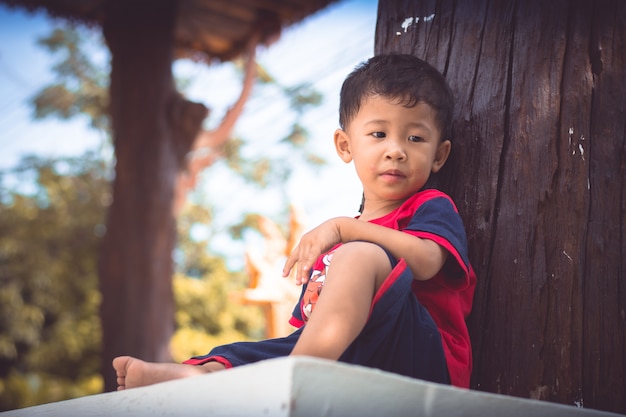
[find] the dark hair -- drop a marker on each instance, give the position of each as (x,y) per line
(404,77)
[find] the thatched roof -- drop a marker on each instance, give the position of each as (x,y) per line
(205,29)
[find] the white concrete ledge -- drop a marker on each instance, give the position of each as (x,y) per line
(301,387)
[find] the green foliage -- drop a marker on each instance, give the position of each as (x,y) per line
(81,88)
(50,226)
(302,97)
(206,312)
(82,84)
(255,170)
(52,219)
(250,222)
(275,170)
(51,222)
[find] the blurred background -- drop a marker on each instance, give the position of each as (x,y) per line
(56,163)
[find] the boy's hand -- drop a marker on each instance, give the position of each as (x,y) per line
(311,246)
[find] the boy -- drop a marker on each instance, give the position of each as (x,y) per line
(397,283)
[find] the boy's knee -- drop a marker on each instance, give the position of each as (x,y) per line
(365,259)
(364,253)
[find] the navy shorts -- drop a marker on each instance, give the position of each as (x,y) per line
(400,336)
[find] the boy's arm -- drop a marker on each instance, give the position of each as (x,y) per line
(424,257)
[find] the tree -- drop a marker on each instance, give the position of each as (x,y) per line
(81,87)
(51,223)
(67,98)
(538,172)
(153,129)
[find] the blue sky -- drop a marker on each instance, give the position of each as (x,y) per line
(24,69)
(322,50)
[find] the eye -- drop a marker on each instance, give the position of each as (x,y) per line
(379,135)
(416,139)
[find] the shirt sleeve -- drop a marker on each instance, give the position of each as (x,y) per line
(437,219)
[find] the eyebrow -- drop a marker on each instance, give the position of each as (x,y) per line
(420,125)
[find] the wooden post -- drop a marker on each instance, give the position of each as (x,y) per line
(538,172)
(153,129)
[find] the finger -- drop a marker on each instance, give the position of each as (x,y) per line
(290,262)
(303,272)
(287,267)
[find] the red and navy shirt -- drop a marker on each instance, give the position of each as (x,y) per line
(448,296)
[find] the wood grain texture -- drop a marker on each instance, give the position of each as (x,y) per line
(538,173)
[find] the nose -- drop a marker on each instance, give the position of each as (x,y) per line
(395,151)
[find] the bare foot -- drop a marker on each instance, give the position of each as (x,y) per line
(133,372)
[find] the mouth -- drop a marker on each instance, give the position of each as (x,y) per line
(393,175)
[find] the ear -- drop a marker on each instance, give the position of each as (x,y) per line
(443,151)
(342,145)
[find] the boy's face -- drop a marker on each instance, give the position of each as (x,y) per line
(394,148)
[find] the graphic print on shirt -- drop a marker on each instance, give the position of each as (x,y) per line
(314,286)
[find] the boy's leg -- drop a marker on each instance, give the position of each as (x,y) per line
(355,273)
(132,372)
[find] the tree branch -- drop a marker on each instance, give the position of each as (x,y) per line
(209,144)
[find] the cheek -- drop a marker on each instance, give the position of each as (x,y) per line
(364,169)
(423,164)
(364,161)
